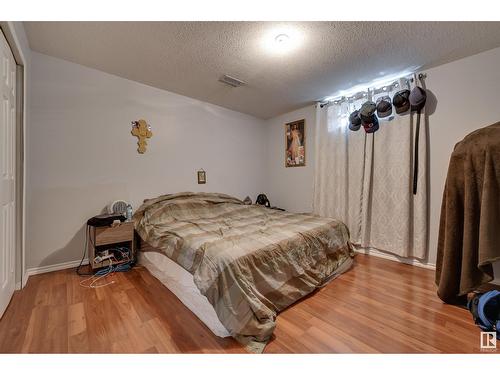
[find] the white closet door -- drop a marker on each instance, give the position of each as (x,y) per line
(7,172)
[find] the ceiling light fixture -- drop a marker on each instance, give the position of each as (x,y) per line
(282,39)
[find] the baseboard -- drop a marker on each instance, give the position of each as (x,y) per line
(51,268)
(395,258)
(25,278)
(21,284)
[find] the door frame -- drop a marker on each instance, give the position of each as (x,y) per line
(22,72)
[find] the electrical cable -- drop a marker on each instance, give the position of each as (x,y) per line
(84,253)
(99,275)
(110,271)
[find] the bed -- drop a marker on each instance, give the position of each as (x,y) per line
(236,266)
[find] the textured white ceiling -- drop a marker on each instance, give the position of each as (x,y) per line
(189,57)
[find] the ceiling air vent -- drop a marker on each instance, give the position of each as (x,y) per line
(231,81)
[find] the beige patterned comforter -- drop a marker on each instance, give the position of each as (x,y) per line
(249,261)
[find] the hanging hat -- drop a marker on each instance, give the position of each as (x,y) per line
(401,101)
(354,121)
(384,106)
(371,126)
(367,110)
(417,98)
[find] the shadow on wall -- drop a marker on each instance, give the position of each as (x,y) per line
(431,103)
(76,242)
(59,256)
(56,220)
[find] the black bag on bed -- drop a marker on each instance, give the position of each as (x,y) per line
(263,201)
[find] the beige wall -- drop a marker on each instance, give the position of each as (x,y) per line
(290,188)
(467,99)
(82,155)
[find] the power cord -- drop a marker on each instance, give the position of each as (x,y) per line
(87,236)
(99,275)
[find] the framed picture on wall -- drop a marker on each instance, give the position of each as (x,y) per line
(295,143)
(202,177)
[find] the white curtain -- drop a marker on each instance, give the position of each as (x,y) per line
(366,180)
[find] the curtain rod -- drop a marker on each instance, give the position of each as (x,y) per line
(375,91)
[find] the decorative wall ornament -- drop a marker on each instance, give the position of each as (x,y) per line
(142,131)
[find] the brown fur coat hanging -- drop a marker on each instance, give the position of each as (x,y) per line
(469,232)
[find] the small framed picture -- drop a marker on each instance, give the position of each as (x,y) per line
(202,177)
(295,143)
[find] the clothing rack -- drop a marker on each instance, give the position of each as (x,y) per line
(385,88)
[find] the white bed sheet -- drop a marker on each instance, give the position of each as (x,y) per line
(180,282)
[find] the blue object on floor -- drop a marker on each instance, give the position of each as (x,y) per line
(485,309)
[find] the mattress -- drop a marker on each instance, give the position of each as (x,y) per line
(180,282)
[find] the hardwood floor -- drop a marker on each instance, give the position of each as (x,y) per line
(379,306)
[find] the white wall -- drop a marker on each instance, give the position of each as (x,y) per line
(467,99)
(290,188)
(82,155)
